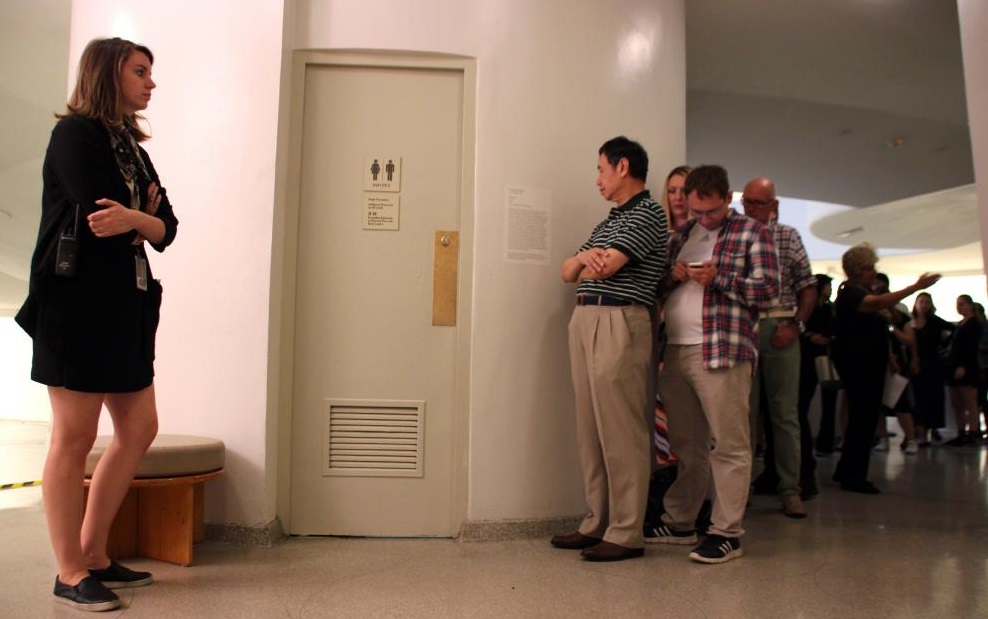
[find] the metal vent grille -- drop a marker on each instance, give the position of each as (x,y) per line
(374,438)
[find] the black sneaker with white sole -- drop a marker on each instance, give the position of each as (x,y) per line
(717,549)
(88,595)
(117,576)
(664,534)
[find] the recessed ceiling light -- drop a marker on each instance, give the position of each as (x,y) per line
(848,233)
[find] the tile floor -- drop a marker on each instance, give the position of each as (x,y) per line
(918,550)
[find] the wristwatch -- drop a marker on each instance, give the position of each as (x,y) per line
(802,325)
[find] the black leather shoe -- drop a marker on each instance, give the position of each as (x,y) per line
(862,487)
(606,551)
(808,488)
(574,541)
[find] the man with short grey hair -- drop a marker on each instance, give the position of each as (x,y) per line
(777,373)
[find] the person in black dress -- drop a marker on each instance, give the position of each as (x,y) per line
(931,333)
(861,354)
(814,343)
(93,317)
(965,374)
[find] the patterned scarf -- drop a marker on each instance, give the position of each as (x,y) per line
(129,161)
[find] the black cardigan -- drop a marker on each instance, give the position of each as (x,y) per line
(94,331)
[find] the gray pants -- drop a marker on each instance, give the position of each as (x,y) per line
(778,371)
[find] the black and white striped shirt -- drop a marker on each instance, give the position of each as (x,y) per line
(637,229)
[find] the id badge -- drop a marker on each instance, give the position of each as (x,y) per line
(141,268)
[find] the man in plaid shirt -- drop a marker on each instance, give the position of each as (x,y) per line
(724,270)
(789,462)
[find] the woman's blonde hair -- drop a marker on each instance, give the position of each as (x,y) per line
(858,259)
(97,92)
(684,171)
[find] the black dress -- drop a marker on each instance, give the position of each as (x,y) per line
(964,354)
(861,355)
(928,384)
(94,331)
(821,322)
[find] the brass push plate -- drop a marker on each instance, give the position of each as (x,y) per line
(444,271)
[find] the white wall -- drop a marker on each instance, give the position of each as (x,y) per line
(973,16)
(30,92)
(214,123)
(556,78)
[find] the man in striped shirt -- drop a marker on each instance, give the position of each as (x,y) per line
(724,269)
(610,341)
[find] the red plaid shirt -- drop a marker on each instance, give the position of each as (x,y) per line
(747,280)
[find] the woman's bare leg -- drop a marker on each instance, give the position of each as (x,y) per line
(908,428)
(969,404)
(963,399)
(135,424)
(75,418)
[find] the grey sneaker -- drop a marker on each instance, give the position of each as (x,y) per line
(717,549)
(664,534)
(88,595)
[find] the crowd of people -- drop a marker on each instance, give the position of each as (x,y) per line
(724,307)
(723,302)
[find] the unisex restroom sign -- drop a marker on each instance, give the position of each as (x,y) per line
(382,173)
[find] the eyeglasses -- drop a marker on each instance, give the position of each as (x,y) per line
(713,213)
(745,200)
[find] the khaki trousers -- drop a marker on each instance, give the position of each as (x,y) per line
(610,353)
(708,429)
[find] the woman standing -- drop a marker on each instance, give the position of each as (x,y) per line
(92,311)
(674,199)
(815,343)
(861,354)
(930,332)
(965,374)
(677,214)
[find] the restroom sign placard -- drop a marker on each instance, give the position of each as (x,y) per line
(381,212)
(382,173)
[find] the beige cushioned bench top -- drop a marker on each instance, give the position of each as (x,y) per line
(170,455)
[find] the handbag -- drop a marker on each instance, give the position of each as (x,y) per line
(895,385)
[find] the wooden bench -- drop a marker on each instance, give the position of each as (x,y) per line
(162,515)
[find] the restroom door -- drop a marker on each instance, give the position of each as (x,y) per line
(374,394)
